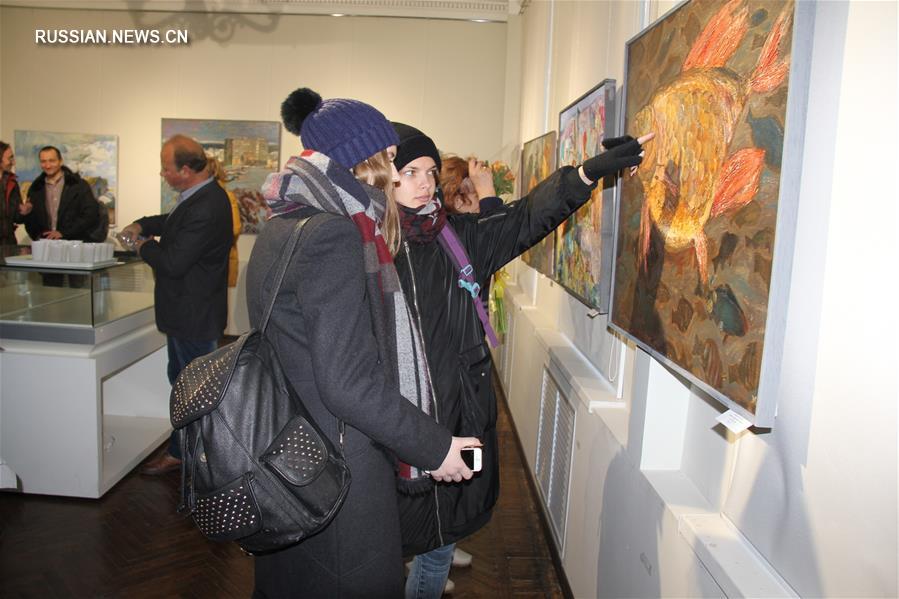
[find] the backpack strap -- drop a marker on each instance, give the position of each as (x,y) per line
(449,241)
(289,248)
(282,269)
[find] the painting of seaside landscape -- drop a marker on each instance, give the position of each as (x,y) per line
(95,157)
(248,151)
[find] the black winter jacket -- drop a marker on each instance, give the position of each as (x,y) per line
(458,358)
(78,213)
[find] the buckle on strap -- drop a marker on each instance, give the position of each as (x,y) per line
(467,270)
(473,288)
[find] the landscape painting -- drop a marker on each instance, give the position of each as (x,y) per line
(538,161)
(94,157)
(697,222)
(583,243)
(248,151)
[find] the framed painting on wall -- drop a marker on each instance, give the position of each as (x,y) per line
(94,157)
(583,252)
(706,225)
(538,161)
(248,151)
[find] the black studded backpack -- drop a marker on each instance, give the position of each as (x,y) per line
(255,467)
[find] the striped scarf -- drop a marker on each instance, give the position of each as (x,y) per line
(313,179)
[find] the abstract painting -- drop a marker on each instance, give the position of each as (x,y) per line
(538,161)
(248,150)
(94,157)
(583,243)
(697,221)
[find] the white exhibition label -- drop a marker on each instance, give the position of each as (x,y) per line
(733,421)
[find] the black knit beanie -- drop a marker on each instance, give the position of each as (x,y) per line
(348,131)
(413,144)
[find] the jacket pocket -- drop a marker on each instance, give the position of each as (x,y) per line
(478,402)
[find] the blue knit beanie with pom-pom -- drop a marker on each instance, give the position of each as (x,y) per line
(348,131)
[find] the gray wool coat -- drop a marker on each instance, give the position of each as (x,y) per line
(322,329)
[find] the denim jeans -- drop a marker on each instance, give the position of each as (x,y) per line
(429,572)
(181,352)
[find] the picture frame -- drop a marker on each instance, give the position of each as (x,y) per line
(584,243)
(248,150)
(95,157)
(538,161)
(704,249)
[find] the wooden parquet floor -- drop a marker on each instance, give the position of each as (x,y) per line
(131,543)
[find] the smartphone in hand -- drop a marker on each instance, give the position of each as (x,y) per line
(472,458)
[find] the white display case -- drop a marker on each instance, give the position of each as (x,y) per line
(83,389)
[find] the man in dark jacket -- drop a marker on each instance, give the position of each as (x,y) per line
(60,204)
(190,262)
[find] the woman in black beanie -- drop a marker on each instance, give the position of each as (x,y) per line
(342,327)
(446,309)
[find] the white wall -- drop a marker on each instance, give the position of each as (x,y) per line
(810,506)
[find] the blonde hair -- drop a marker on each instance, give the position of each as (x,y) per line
(215,169)
(377,171)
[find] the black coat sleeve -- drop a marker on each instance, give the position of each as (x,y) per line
(348,373)
(195,239)
(506,232)
(82,214)
(34,220)
(152,225)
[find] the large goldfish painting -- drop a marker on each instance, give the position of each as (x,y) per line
(696,225)
(583,252)
(538,161)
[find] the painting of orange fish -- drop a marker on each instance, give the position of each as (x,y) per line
(697,220)
(583,243)
(538,161)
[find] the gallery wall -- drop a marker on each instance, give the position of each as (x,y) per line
(810,505)
(446,77)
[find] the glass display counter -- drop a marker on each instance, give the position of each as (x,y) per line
(73,305)
(83,389)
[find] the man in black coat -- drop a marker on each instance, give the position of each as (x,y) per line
(190,263)
(59,204)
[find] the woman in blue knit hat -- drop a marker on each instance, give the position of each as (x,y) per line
(349,346)
(443,262)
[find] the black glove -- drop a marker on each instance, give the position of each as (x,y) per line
(621,153)
(612,142)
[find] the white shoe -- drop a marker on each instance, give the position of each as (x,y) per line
(461,559)
(449,588)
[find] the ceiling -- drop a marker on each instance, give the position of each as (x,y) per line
(468,10)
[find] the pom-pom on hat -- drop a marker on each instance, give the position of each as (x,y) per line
(348,131)
(414,144)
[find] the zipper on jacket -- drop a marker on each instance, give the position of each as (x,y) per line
(417,320)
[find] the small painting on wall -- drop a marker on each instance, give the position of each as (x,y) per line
(94,157)
(538,161)
(583,243)
(248,151)
(699,221)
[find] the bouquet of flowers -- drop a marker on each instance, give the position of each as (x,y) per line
(503,180)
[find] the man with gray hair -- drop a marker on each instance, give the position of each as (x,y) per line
(190,262)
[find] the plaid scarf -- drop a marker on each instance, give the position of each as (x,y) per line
(313,179)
